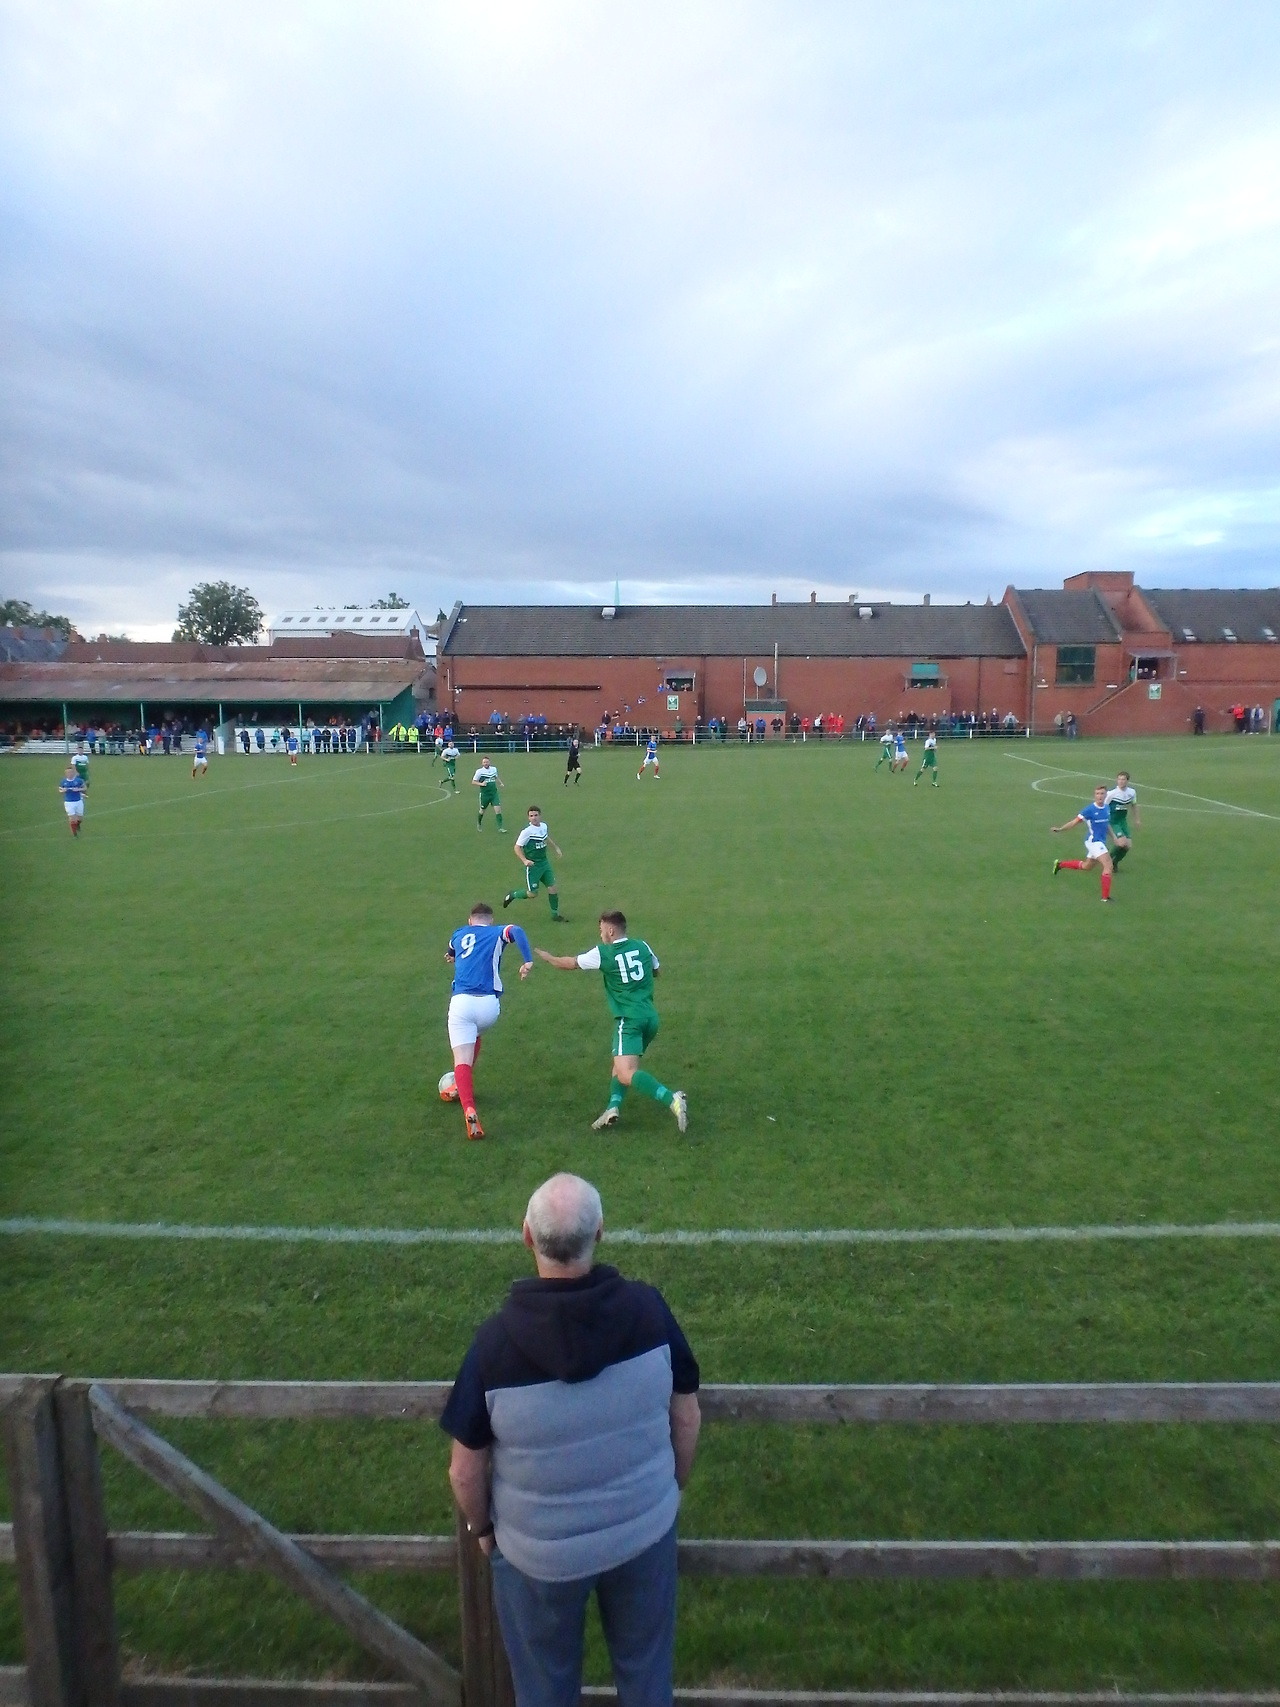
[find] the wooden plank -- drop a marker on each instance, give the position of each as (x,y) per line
(262,1692)
(486,1675)
(1040,1402)
(1030,1402)
(1056,1561)
(416,1401)
(238,1523)
(138,1550)
(7,1554)
(90,1554)
(42,1547)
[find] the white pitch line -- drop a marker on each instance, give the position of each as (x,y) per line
(133,1230)
(1153,788)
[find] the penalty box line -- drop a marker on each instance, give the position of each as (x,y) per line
(1152,788)
(133,1230)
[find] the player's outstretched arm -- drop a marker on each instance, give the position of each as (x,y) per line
(565,962)
(1059,828)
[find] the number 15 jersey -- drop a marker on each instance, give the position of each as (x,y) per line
(628,967)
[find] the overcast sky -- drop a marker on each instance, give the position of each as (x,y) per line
(503,301)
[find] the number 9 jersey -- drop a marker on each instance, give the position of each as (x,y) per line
(628,967)
(477,952)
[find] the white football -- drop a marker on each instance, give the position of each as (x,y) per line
(448,1088)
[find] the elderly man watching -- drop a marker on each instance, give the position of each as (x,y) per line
(575,1421)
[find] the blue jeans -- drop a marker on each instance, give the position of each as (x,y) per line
(543,1624)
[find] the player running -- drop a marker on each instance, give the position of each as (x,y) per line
(531,850)
(438,734)
(573,766)
(650,758)
(475,953)
(1121,800)
(450,755)
(929,762)
(291,742)
(73,787)
(886,750)
(200,755)
(629,966)
(81,762)
(1097,820)
(488,782)
(901,757)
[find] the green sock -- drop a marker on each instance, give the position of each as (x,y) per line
(555,902)
(1118,855)
(498,816)
(617,1090)
(648,1086)
(480,820)
(517,895)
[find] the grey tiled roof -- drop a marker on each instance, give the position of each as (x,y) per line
(22,643)
(733,631)
(1246,612)
(1068,619)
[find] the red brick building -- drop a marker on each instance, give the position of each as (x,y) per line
(663,664)
(1120,659)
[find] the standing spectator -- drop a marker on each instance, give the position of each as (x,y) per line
(1197,721)
(261,740)
(575,1420)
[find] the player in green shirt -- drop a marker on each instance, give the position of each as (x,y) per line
(450,755)
(81,762)
(1121,800)
(531,850)
(629,967)
(487,781)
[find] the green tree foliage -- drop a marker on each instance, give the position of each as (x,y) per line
(393,601)
(17,613)
(218,614)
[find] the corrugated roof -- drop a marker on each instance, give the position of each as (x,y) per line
(733,631)
(241,680)
(1068,619)
(1207,612)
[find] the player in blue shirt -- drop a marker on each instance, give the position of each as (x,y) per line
(901,758)
(200,754)
(1096,819)
(73,787)
(475,953)
(291,743)
(650,758)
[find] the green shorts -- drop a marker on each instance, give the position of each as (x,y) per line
(539,873)
(489,795)
(633,1035)
(451,767)
(1120,825)
(930,758)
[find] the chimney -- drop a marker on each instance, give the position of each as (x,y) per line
(813,598)
(927,598)
(773,598)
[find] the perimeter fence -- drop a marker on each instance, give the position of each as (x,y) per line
(66,1555)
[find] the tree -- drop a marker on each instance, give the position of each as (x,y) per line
(17,613)
(393,601)
(218,614)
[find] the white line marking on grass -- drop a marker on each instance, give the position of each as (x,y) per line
(1151,788)
(58,1228)
(1038,787)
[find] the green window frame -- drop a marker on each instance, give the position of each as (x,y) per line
(925,676)
(1076,666)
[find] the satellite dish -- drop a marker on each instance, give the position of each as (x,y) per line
(760,675)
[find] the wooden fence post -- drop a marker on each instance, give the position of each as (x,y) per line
(93,1601)
(42,1547)
(486,1675)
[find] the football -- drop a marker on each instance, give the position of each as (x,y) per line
(448,1088)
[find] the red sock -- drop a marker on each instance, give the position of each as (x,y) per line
(466,1088)
(1071,864)
(1106,886)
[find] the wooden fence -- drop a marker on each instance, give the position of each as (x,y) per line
(65,1555)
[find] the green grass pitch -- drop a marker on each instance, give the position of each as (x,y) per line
(225,1004)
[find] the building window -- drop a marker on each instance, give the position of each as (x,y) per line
(1076,665)
(678,684)
(1146,669)
(925,676)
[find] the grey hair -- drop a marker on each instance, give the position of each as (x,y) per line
(563,1218)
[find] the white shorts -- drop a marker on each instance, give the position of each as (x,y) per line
(649,759)
(469,1016)
(199,759)
(1094,850)
(75,808)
